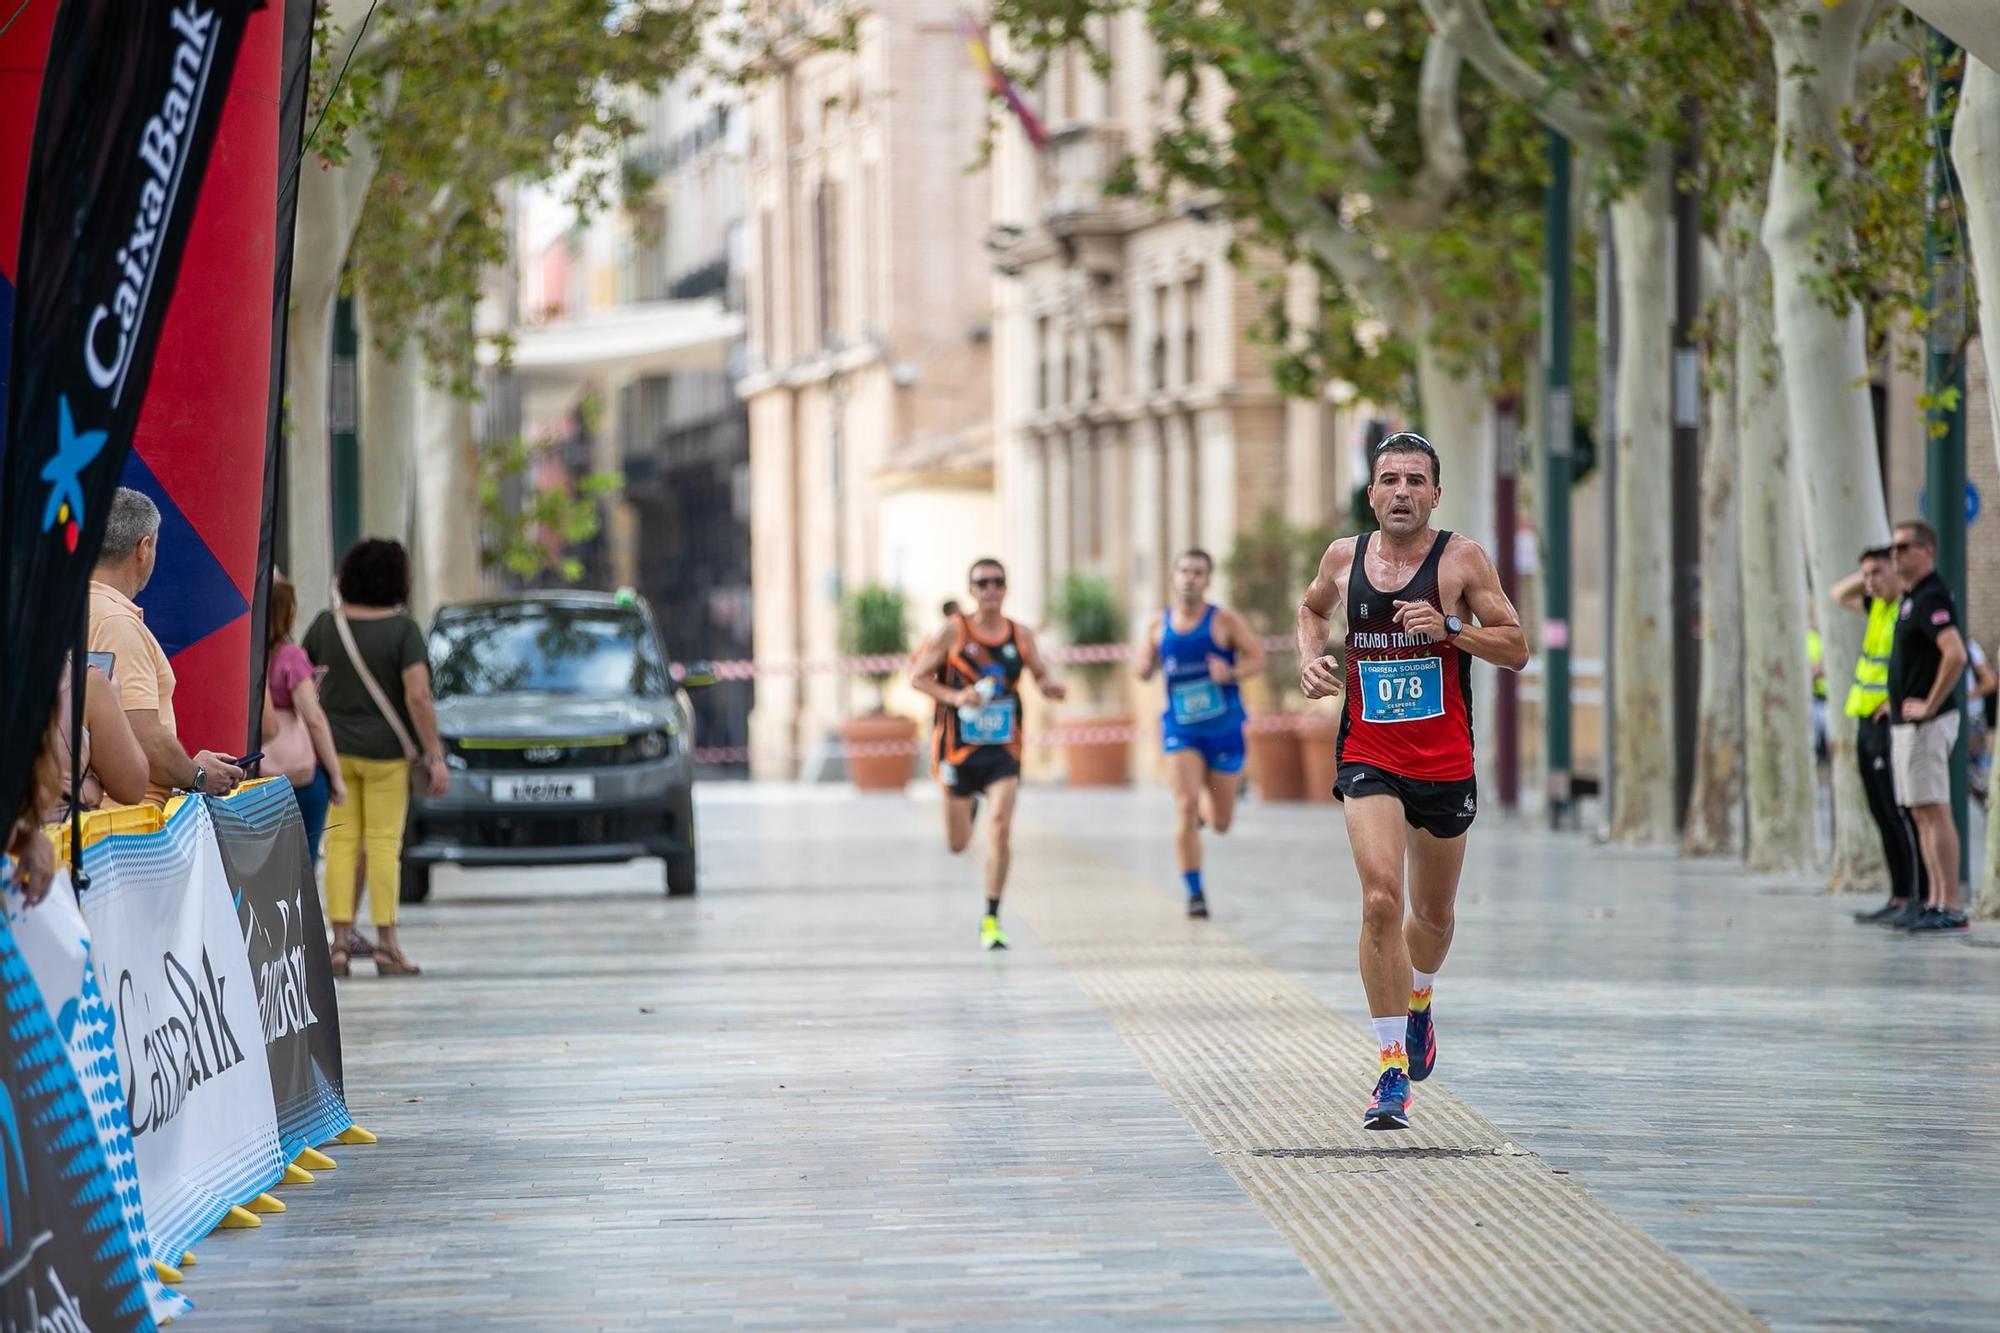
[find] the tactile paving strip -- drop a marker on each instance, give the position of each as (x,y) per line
(1444,1225)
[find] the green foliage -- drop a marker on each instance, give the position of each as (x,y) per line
(1088,611)
(1319,156)
(874,622)
(1269,568)
(463,95)
(531,537)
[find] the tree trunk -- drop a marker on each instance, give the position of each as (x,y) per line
(1642,803)
(1825,371)
(389,386)
(330,200)
(1776,716)
(1975,150)
(1458,419)
(448,480)
(1715,807)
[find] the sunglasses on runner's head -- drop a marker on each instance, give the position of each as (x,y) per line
(990,581)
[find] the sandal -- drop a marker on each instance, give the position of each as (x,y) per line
(358,945)
(340,963)
(391,963)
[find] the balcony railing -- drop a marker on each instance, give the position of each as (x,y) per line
(1077,165)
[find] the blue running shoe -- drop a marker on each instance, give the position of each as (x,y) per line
(1391,1107)
(1420,1039)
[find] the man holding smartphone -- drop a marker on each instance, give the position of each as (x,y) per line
(145,680)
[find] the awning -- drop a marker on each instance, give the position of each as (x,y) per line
(650,338)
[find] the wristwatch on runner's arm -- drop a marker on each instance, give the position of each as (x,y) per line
(1453,626)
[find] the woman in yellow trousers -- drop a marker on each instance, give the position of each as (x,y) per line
(377,697)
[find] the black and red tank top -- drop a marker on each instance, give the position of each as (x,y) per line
(996,720)
(1409,699)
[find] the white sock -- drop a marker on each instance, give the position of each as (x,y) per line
(1421,981)
(1391,1032)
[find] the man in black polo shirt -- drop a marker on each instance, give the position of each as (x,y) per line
(1924,670)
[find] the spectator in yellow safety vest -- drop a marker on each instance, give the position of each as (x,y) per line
(1876,590)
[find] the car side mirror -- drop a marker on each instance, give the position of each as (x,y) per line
(696,675)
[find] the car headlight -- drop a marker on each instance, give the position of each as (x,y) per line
(648,746)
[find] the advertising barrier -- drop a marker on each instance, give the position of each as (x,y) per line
(55,943)
(263,846)
(168,950)
(66,1255)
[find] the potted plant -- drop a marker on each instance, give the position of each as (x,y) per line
(1268,569)
(1318,724)
(873,623)
(1090,616)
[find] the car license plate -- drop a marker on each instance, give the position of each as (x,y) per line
(545,790)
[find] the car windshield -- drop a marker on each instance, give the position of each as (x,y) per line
(531,648)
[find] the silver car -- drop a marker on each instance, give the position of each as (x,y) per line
(567,738)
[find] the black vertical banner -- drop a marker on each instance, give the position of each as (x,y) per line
(130,102)
(296,73)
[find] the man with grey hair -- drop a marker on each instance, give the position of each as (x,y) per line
(144,680)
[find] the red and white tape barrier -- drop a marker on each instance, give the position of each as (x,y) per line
(1101,733)
(748,669)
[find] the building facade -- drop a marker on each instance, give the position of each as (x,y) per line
(869,359)
(1135,412)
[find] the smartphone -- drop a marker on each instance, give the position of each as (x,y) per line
(103,662)
(247,760)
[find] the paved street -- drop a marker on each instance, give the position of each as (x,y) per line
(1669,1096)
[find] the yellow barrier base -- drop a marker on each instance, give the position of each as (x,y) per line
(239,1219)
(171,1276)
(187,1259)
(312,1159)
(297,1175)
(354,1134)
(266,1204)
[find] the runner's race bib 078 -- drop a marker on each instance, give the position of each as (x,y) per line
(1197,701)
(1405,690)
(993,724)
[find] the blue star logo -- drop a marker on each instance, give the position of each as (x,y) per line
(64,473)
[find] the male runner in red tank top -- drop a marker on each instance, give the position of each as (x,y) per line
(1399,598)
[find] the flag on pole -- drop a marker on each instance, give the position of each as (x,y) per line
(998,83)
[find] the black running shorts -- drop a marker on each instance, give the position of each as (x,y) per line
(1441,809)
(986,765)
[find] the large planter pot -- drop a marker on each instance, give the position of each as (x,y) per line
(1092,762)
(1319,744)
(879,746)
(1275,765)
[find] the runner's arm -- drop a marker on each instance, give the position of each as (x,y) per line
(1031,657)
(924,675)
(1850,594)
(1319,675)
(1249,648)
(1148,652)
(1497,638)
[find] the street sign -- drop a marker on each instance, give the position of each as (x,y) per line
(1972,503)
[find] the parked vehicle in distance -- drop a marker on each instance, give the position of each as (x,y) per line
(567,738)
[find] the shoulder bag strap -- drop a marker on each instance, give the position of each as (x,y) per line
(373,686)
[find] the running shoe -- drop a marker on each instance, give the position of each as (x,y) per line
(1391,1107)
(1420,1039)
(1881,916)
(1198,907)
(1937,922)
(990,934)
(1908,918)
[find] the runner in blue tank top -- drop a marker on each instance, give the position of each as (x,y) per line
(1203,650)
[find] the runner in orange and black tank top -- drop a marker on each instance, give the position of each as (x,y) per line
(973,747)
(1409,699)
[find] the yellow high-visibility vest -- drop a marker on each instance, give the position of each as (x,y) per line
(1870,689)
